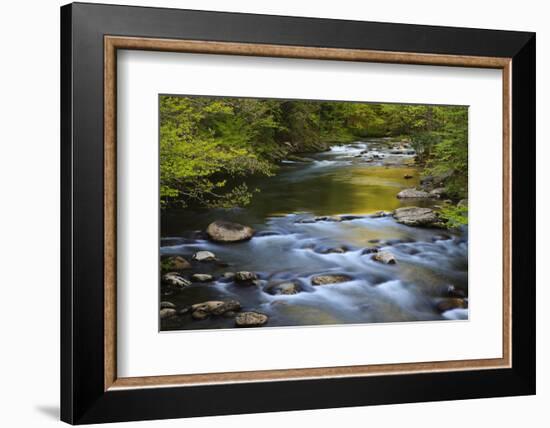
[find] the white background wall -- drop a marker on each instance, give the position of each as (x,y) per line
(29,217)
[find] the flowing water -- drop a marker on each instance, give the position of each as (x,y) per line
(338,182)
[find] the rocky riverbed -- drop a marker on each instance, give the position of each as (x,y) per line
(350,235)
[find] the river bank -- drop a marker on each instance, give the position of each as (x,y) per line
(332,244)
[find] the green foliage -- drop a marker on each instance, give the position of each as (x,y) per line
(201,141)
(209,146)
(454,216)
(449,157)
(423,143)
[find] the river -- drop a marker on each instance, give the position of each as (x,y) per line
(356,180)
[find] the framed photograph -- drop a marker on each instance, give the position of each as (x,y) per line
(266,213)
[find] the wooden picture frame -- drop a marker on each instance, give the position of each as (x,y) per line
(91,390)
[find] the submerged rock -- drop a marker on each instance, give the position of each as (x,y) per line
(334,250)
(225,231)
(330,279)
(384,257)
(415,216)
(204,256)
(201,277)
(370,250)
(413,194)
(175,280)
(175,263)
(167,313)
(286,288)
(250,319)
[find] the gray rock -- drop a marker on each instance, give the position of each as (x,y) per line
(167,305)
(330,279)
(415,216)
(225,231)
(175,263)
(175,280)
(384,257)
(245,277)
(167,313)
(413,194)
(203,310)
(250,319)
(228,306)
(201,277)
(228,275)
(204,256)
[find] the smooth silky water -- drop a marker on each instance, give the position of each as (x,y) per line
(336,182)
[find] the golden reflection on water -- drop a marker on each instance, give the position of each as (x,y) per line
(375,188)
(351,190)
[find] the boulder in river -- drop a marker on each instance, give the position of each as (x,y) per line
(415,216)
(286,288)
(201,277)
(250,319)
(407,176)
(384,257)
(203,310)
(174,279)
(204,256)
(225,231)
(330,279)
(175,263)
(245,277)
(413,194)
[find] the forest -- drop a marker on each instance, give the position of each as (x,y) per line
(209,146)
